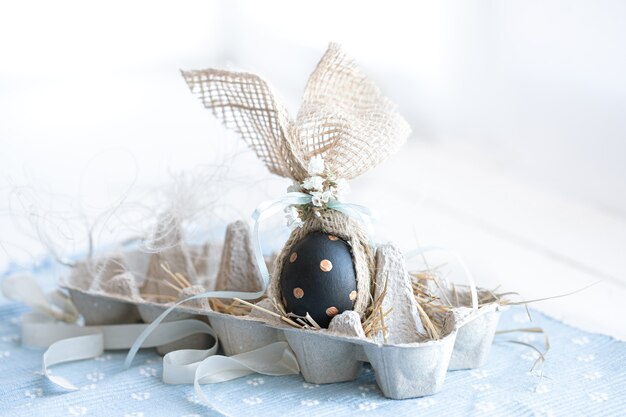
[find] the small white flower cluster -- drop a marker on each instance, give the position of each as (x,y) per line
(293,217)
(321,184)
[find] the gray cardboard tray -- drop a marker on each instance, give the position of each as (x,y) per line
(403,370)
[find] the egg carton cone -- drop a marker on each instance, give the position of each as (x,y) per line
(324,360)
(476,329)
(474,338)
(238,269)
(171,254)
(117,286)
(406,365)
(403,322)
(411,370)
(239,335)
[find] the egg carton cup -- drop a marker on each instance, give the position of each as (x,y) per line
(107,291)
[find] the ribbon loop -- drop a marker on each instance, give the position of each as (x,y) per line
(68,350)
(275,359)
(23,288)
(66,342)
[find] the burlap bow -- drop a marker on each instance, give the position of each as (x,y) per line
(343,117)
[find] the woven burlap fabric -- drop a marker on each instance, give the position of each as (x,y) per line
(343,118)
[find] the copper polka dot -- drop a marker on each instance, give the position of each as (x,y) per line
(353,295)
(293,257)
(326,265)
(332,311)
(331,237)
(298,292)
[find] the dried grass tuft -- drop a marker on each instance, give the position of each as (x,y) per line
(235,307)
(434,310)
(293,320)
(375,321)
(178,283)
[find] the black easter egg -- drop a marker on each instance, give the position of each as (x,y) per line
(318,278)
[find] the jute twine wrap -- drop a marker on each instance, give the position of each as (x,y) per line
(343,117)
(346,228)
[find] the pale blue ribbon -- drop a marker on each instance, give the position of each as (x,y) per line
(264,211)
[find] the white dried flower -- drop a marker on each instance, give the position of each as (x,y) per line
(320,198)
(293,217)
(313,183)
(316,199)
(316,165)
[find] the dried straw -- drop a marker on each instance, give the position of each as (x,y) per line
(178,283)
(299,322)
(375,321)
(537,368)
(234,308)
(433,312)
(432,308)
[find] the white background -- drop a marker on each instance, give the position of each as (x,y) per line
(517,158)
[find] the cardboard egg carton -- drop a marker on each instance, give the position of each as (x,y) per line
(112,290)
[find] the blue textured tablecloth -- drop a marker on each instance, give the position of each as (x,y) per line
(585,375)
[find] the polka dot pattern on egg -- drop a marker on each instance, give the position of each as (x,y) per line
(326,265)
(319,278)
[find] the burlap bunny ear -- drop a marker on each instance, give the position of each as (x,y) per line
(345,118)
(247,105)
